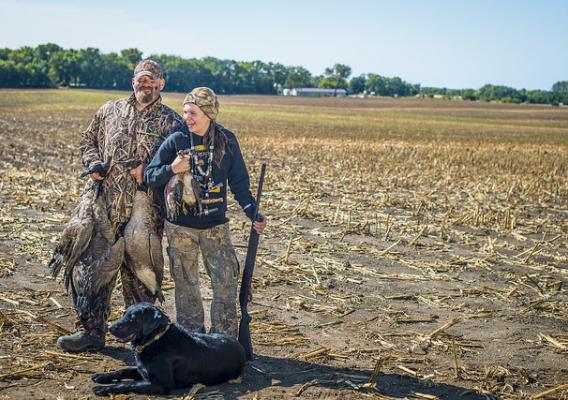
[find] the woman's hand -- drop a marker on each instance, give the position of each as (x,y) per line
(260,225)
(180,165)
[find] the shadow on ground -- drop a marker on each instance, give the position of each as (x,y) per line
(312,380)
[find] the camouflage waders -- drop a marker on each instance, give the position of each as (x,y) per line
(92,311)
(133,289)
(222,267)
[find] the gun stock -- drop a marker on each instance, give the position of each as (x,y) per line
(245,292)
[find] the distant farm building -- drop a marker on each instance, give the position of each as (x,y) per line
(315,92)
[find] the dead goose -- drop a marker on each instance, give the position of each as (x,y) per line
(96,268)
(143,245)
(75,237)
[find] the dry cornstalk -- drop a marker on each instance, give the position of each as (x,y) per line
(379,366)
(336,322)
(70,356)
(306,385)
(529,251)
(553,341)
(288,249)
(407,370)
(7,300)
(513,291)
(312,354)
(196,388)
(389,228)
(385,251)
(259,311)
(415,320)
(549,392)
(401,297)
(316,275)
(23,371)
(299,341)
(424,396)
(441,329)
(417,236)
(54,301)
(338,356)
(456,364)
(59,329)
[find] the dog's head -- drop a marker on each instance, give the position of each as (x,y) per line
(138,322)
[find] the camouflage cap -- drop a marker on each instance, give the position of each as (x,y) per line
(149,68)
(205,99)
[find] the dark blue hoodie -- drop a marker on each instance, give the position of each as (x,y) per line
(232,170)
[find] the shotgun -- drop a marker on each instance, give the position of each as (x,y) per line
(245,294)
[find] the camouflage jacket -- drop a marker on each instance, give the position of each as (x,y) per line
(120,131)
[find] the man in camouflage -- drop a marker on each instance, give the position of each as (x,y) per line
(126,131)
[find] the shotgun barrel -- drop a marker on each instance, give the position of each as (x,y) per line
(245,294)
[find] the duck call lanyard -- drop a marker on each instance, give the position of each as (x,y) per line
(199,175)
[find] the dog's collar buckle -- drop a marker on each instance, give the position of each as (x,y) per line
(140,348)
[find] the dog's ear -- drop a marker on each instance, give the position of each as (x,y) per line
(153,319)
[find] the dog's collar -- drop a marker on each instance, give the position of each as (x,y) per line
(141,347)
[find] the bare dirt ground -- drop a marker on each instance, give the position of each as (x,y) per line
(377,278)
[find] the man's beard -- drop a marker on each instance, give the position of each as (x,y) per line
(145,97)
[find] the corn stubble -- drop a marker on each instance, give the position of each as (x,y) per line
(417,229)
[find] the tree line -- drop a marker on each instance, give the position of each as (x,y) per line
(49,66)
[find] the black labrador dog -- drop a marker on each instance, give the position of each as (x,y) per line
(168,356)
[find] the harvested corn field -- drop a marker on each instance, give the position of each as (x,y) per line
(416,248)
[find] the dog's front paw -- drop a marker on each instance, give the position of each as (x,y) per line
(101,390)
(101,378)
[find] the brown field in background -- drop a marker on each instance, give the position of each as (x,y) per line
(416,248)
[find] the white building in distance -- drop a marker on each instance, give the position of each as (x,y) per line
(315,92)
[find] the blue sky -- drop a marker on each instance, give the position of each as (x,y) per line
(454,44)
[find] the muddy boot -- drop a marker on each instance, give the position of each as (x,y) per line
(81,341)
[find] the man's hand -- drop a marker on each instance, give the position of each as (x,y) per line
(180,165)
(260,225)
(96,176)
(138,173)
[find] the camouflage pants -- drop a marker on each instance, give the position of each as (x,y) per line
(222,267)
(93,309)
(133,290)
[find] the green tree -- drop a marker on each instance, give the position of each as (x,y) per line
(357,84)
(539,97)
(376,84)
(336,77)
(115,73)
(46,51)
(90,64)
(499,93)
(468,94)
(63,68)
(560,92)
(5,54)
(131,56)
(298,77)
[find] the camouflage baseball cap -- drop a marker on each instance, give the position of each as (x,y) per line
(205,99)
(149,68)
